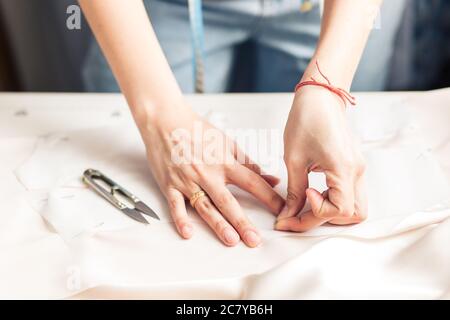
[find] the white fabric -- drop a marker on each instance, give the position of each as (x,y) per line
(59,239)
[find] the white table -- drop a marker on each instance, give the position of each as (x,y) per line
(402,251)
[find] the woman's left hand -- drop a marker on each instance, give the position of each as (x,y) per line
(317,139)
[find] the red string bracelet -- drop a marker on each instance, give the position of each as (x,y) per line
(344,95)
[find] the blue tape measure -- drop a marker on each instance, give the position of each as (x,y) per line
(198,42)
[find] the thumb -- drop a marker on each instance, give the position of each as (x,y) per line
(316,200)
(296,197)
(323,207)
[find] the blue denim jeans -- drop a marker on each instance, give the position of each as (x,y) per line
(284,38)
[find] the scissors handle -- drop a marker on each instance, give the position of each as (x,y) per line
(90,175)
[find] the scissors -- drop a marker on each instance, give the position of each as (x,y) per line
(91,176)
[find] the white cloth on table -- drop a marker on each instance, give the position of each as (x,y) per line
(400,252)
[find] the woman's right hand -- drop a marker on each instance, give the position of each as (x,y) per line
(184,162)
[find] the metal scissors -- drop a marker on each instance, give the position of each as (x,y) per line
(90,176)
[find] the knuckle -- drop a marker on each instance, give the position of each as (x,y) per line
(345,211)
(230,166)
(242,223)
(252,183)
(204,205)
(223,200)
(352,164)
(173,203)
(220,226)
(170,180)
(292,195)
(292,160)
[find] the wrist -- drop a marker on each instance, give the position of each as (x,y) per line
(319,98)
(337,74)
(152,111)
(320,80)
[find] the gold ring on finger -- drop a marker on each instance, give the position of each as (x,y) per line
(197,195)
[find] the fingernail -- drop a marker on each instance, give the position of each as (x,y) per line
(252,238)
(231,237)
(186,231)
(283,213)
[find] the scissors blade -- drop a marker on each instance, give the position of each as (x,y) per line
(135,215)
(143,208)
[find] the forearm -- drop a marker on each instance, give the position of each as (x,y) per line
(346,25)
(127,39)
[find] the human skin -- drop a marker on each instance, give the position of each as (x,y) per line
(316,136)
(127,39)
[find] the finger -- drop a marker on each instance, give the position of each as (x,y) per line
(361,199)
(273,181)
(338,202)
(227,204)
(361,205)
(301,223)
(306,221)
(296,197)
(245,160)
(209,213)
(257,186)
(177,208)
(309,220)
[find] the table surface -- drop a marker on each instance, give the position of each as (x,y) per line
(97,109)
(397,253)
